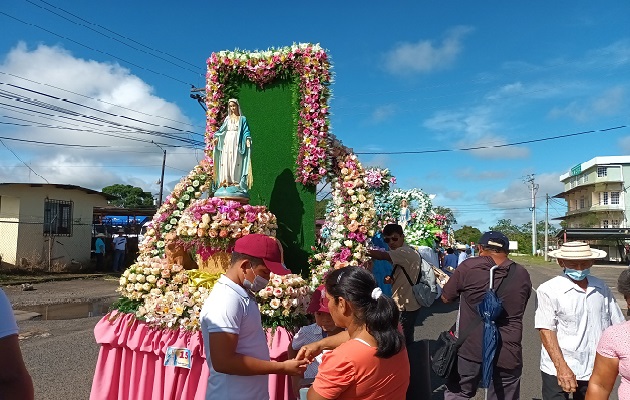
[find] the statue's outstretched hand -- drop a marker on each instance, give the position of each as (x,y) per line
(248,142)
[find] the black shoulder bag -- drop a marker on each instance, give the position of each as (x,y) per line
(444,360)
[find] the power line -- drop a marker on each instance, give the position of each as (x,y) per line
(117,34)
(17,96)
(196,72)
(101,101)
(94,49)
(491,146)
(49,106)
(16,156)
(86,130)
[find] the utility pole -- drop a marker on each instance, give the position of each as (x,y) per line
(529,180)
(162,177)
(547,227)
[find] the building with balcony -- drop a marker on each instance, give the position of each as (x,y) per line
(597,203)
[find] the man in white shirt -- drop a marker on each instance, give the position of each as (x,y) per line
(572,312)
(234,340)
(119,243)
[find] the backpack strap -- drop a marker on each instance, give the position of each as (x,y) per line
(407,275)
(471,327)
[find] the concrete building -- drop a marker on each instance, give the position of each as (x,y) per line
(46,226)
(597,204)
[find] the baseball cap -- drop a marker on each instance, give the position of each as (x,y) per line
(318,303)
(264,247)
(495,240)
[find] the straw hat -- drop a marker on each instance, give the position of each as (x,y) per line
(577,251)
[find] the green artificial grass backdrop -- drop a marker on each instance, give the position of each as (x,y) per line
(272,116)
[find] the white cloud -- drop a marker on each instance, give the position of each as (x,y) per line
(537,90)
(624,144)
(122,161)
(383,113)
(471,129)
(426,56)
(610,102)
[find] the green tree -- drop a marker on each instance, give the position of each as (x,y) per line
(320,208)
(448,213)
(467,234)
(515,233)
(129,196)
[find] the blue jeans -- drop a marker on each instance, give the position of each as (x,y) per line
(119,260)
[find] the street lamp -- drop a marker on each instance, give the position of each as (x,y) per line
(162,178)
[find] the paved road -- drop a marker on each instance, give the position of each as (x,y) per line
(61,355)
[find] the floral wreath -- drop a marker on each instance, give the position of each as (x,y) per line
(349,224)
(167,217)
(310,64)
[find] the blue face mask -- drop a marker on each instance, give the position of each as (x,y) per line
(576,274)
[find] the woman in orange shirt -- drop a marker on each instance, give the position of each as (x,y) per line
(373,364)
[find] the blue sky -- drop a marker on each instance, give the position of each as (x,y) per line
(409,76)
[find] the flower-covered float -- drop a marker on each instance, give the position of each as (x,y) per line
(151,343)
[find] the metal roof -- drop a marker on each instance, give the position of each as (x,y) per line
(594,233)
(63,186)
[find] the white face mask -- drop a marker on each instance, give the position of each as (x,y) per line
(259,283)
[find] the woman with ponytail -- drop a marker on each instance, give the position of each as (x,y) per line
(373,364)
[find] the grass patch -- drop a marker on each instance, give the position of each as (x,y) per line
(531,260)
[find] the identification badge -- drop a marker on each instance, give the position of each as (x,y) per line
(177,357)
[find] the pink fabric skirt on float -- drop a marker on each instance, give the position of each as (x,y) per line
(130,363)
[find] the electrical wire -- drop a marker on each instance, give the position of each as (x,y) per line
(196,72)
(117,34)
(97,50)
(491,146)
(22,161)
(99,100)
(9,94)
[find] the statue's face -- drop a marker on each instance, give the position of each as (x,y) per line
(233,108)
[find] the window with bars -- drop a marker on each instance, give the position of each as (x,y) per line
(602,171)
(58,217)
(585,178)
(605,223)
(604,198)
(582,202)
(614,197)
(615,223)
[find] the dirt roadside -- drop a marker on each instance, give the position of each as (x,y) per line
(59,292)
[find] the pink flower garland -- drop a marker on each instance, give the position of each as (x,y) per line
(308,61)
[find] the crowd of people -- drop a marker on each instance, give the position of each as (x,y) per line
(357,346)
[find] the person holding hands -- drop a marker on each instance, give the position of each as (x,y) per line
(234,340)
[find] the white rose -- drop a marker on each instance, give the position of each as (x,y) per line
(274,303)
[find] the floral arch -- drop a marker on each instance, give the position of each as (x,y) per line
(160,291)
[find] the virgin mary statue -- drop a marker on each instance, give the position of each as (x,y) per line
(232,155)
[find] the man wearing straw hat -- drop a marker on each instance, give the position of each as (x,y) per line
(572,312)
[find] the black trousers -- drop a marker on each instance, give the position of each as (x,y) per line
(408,322)
(552,391)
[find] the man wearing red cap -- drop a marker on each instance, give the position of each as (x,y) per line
(234,340)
